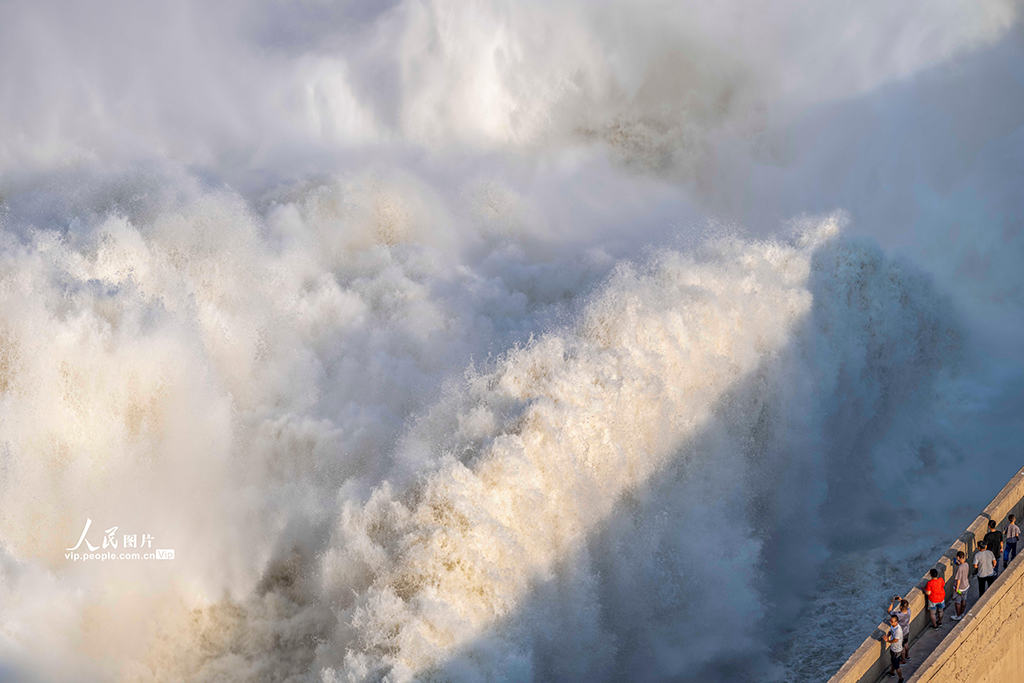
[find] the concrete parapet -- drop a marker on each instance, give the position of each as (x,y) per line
(988,645)
(871,660)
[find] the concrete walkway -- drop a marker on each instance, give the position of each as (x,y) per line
(929,639)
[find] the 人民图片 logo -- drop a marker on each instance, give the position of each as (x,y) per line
(111,541)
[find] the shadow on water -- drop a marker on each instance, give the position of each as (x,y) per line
(699,572)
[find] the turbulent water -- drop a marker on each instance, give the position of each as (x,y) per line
(480,341)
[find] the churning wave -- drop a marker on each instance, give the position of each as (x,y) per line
(477,341)
(572,508)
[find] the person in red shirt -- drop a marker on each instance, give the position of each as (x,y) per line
(935,594)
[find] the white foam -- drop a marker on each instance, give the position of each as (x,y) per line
(422,332)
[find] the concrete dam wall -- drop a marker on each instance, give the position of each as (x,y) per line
(988,645)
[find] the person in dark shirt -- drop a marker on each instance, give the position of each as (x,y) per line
(994,542)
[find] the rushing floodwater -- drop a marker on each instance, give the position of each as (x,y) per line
(481,341)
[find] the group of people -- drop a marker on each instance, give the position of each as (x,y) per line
(986,565)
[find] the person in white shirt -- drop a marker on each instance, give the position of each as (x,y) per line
(1010,536)
(895,640)
(901,608)
(985,564)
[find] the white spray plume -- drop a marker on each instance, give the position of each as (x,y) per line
(424,332)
